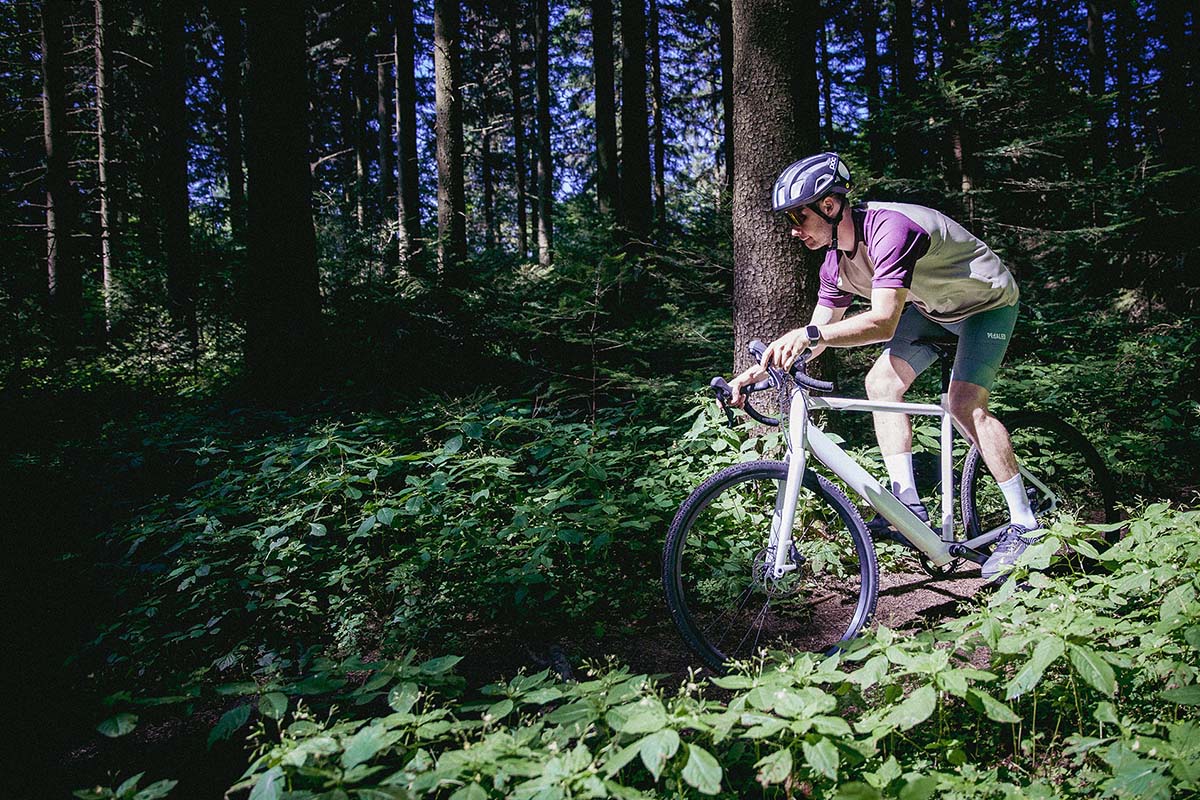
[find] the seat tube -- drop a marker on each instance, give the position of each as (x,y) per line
(947,470)
(781,533)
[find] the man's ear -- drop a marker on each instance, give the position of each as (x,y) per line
(829,205)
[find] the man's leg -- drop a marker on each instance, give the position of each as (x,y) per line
(887,381)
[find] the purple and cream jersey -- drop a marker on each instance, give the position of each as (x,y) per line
(950,275)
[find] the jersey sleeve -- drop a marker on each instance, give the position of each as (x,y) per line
(828,293)
(894,243)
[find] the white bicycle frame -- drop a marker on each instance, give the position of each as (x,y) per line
(804,438)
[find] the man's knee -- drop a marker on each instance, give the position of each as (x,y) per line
(968,405)
(885,383)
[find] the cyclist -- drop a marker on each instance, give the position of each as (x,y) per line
(924,275)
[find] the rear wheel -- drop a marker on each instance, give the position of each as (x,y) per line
(717,567)
(1074,480)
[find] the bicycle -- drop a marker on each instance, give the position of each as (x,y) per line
(770,553)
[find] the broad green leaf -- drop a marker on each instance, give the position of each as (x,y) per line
(128,785)
(857,791)
(657,749)
(156,790)
(645,716)
(273,705)
(993,708)
(775,768)
(1093,669)
(269,786)
(702,771)
(472,791)
(453,445)
(436,666)
(402,698)
(542,696)
(618,760)
(1184,695)
(822,757)
(365,525)
(363,745)
(919,788)
(498,710)
(915,709)
(118,725)
(1192,636)
(229,722)
(1046,653)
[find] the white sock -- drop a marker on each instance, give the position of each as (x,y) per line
(1018,502)
(900,472)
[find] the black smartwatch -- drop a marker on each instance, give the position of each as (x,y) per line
(813,333)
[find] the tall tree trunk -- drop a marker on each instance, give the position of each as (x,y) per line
(956,36)
(177,246)
(725,33)
(452,212)
(635,139)
(908,148)
(283,303)
(103,116)
(63,273)
(514,91)
(408,198)
(1097,56)
(545,165)
(229,19)
(608,188)
(656,95)
(384,93)
(826,73)
(489,203)
(1176,119)
(869,22)
(357,61)
(1123,47)
(773,125)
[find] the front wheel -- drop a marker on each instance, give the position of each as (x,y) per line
(1065,476)
(717,567)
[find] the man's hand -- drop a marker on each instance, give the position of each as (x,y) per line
(751,376)
(784,350)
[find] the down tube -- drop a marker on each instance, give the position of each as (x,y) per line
(883,501)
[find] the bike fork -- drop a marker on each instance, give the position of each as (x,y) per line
(787,495)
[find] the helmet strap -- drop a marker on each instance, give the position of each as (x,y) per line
(834,220)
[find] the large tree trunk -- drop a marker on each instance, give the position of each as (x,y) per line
(103,116)
(177,247)
(869,22)
(514,91)
(1176,117)
(384,104)
(452,213)
(545,165)
(64,276)
(485,168)
(229,20)
(956,36)
(283,303)
(635,139)
(357,60)
(1124,47)
(826,75)
(408,198)
(656,94)
(1097,56)
(608,186)
(725,34)
(775,93)
(908,148)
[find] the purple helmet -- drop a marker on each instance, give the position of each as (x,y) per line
(810,179)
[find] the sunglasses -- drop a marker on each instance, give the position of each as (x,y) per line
(796,217)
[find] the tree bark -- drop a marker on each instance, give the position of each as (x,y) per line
(177,247)
(956,37)
(486,178)
(545,165)
(1123,47)
(869,22)
(452,213)
(64,276)
(283,304)
(518,121)
(1097,56)
(229,20)
(608,188)
(826,73)
(408,198)
(908,148)
(384,94)
(656,95)
(635,139)
(725,33)
(103,116)
(357,60)
(774,95)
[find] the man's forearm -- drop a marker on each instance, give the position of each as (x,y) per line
(865,328)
